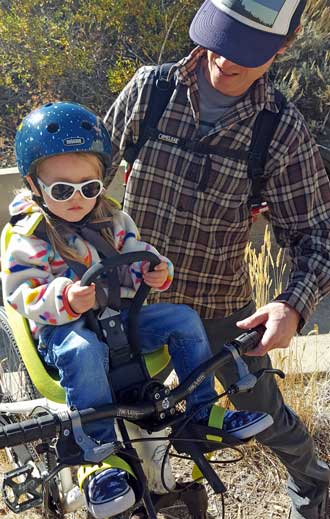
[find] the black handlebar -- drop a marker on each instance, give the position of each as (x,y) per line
(244,343)
(39,428)
(49,426)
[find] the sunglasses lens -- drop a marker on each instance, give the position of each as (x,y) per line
(92,189)
(62,191)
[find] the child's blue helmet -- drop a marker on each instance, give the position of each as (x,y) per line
(57,128)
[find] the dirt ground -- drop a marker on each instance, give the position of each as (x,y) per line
(256,489)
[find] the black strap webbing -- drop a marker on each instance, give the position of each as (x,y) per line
(90,232)
(161,92)
(256,157)
(263,132)
(92,235)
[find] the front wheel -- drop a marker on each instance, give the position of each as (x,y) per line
(15,386)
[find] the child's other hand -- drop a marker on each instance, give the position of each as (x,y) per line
(81,298)
(157,278)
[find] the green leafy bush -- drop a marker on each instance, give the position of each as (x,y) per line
(86,51)
(303,73)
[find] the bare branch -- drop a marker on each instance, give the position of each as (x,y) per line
(174,19)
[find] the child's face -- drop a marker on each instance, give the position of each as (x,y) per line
(70,167)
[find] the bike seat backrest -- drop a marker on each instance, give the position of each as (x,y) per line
(47,382)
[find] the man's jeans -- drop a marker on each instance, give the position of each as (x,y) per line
(287,437)
(83,360)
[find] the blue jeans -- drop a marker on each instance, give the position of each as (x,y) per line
(83,360)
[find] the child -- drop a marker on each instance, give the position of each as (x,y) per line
(64,154)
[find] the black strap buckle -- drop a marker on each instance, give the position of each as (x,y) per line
(114,335)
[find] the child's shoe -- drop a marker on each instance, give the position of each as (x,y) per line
(241,424)
(108,493)
(245,424)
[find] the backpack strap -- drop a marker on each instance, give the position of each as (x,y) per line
(325,154)
(161,92)
(264,129)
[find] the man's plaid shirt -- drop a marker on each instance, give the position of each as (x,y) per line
(194,208)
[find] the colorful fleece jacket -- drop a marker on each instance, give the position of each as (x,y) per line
(36,278)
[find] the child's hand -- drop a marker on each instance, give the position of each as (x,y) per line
(157,278)
(81,298)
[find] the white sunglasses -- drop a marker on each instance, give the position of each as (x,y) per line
(64,191)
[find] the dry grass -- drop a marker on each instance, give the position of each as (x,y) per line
(257,484)
(307,394)
(266,277)
(266,274)
(303,73)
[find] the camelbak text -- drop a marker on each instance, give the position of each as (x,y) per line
(168,138)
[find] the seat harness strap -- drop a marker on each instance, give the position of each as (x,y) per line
(106,323)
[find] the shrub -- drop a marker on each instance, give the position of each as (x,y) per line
(86,51)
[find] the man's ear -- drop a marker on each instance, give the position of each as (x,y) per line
(282,50)
(289,41)
(35,190)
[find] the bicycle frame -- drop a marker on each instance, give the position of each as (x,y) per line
(63,423)
(154,413)
(72,498)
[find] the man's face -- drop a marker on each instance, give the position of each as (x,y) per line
(231,79)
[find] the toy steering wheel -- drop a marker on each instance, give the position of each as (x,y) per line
(109,264)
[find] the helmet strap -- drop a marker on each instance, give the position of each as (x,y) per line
(38,199)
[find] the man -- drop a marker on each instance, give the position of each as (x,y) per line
(200,203)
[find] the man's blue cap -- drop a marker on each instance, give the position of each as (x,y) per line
(246,32)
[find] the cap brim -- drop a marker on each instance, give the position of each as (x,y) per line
(222,34)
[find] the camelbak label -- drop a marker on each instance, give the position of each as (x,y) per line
(168,138)
(74,141)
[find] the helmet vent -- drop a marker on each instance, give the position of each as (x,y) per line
(53,127)
(86,125)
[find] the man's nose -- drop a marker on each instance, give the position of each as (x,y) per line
(225,64)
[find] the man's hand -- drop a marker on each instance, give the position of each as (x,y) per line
(81,298)
(157,278)
(281,322)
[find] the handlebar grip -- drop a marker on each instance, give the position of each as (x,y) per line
(39,428)
(249,340)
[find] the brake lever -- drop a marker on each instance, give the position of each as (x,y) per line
(247,383)
(278,372)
